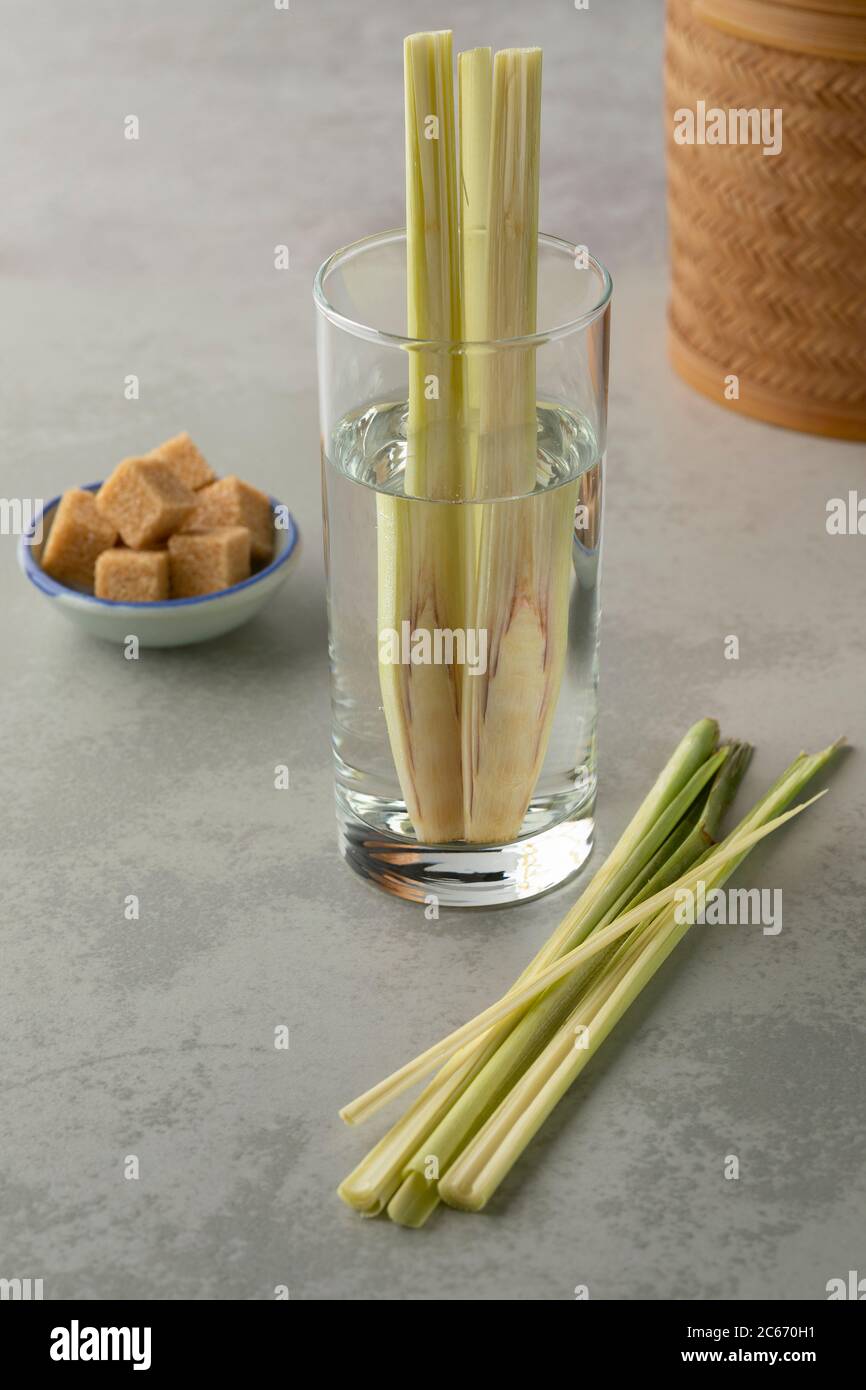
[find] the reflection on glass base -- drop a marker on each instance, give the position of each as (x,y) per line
(460,875)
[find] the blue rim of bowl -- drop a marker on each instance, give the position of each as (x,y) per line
(43,581)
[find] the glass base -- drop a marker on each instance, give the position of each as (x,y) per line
(459,875)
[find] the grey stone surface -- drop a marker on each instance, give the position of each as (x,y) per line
(156,777)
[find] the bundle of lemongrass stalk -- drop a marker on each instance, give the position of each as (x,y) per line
(468,753)
(502,1073)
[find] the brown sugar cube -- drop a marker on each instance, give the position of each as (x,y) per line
(145,501)
(232,502)
(79,533)
(186,463)
(204,561)
(132,576)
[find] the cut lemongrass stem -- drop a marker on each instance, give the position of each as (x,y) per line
(421,550)
(475,1174)
(415,1201)
(486,1160)
(689,840)
(401,1080)
(521,548)
(378,1176)
(620,888)
(489,1156)
(691,753)
(371,1184)
(475,93)
(702,835)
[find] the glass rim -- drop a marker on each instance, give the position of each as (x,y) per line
(377,335)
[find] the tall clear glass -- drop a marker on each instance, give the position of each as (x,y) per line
(462,490)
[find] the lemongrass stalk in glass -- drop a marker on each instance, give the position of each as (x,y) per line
(463,383)
(374,536)
(475,87)
(518,592)
(421,550)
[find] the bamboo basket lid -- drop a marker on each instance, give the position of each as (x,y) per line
(768,252)
(825,28)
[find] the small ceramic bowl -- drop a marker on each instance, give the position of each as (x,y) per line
(172,622)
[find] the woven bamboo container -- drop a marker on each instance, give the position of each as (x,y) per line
(768,252)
